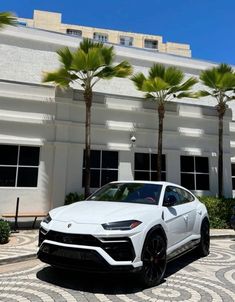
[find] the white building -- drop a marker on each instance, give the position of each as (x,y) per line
(42,128)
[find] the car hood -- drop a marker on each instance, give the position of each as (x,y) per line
(97,212)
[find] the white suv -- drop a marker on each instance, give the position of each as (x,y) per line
(126,226)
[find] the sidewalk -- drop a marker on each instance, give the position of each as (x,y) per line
(23,245)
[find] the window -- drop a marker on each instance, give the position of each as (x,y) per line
(21,23)
(19,166)
(146,166)
(104,167)
(195,172)
(153,44)
(74,32)
(125,40)
(181,196)
(100,37)
(233,175)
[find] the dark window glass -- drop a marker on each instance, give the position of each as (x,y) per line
(202,164)
(7,176)
(154,176)
(233,169)
(108,176)
(185,196)
(29,156)
(154,162)
(187,163)
(141,161)
(8,155)
(95,159)
(95,178)
(27,177)
(233,180)
(142,175)
(109,159)
(187,181)
(202,181)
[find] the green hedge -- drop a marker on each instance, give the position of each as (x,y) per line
(5,231)
(73,197)
(219,210)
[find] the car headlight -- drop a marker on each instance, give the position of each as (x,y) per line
(47,219)
(121,225)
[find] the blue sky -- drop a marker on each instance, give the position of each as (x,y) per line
(207,25)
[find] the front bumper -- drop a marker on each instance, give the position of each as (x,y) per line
(86,252)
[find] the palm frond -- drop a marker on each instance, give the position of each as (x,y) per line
(124,69)
(154,85)
(188,84)
(79,62)
(210,78)
(186,94)
(87,44)
(107,54)
(203,93)
(227,81)
(7,18)
(94,59)
(224,68)
(65,57)
(60,77)
(173,76)
(157,70)
(138,80)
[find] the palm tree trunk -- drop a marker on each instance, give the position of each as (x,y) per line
(221,111)
(88,102)
(161,113)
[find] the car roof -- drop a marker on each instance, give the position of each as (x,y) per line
(147,182)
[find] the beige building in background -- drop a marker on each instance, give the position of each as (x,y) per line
(52,22)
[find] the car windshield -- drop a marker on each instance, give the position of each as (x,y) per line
(145,193)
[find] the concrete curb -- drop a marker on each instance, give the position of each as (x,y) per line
(18,259)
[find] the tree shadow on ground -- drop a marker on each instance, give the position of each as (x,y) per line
(109,284)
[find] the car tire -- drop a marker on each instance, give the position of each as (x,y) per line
(154,260)
(203,248)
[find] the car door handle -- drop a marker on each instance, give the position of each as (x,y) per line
(186,218)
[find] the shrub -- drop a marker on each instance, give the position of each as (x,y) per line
(219,210)
(73,197)
(4,231)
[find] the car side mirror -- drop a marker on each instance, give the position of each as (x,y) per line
(170,201)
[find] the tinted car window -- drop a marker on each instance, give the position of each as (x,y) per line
(129,192)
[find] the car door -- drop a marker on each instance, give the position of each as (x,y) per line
(190,204)
(175,216)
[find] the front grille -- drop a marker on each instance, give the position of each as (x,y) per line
(120,249)
(72,258)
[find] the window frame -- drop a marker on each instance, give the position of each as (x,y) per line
(152,41)
(195,173)
(74,32)
(150,171)
(128,41)
(104,37)
(100,168)
(233,176)
(19,166)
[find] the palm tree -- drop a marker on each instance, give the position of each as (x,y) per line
(220,81)
(7,18)
(163,85)
(87,65)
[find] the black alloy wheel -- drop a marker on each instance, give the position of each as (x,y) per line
(154,260)
(203,249)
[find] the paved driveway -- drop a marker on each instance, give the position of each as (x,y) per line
(187,279)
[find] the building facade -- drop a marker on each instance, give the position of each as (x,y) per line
(42,127)
(53,22)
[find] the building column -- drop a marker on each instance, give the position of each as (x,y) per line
(173,166)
